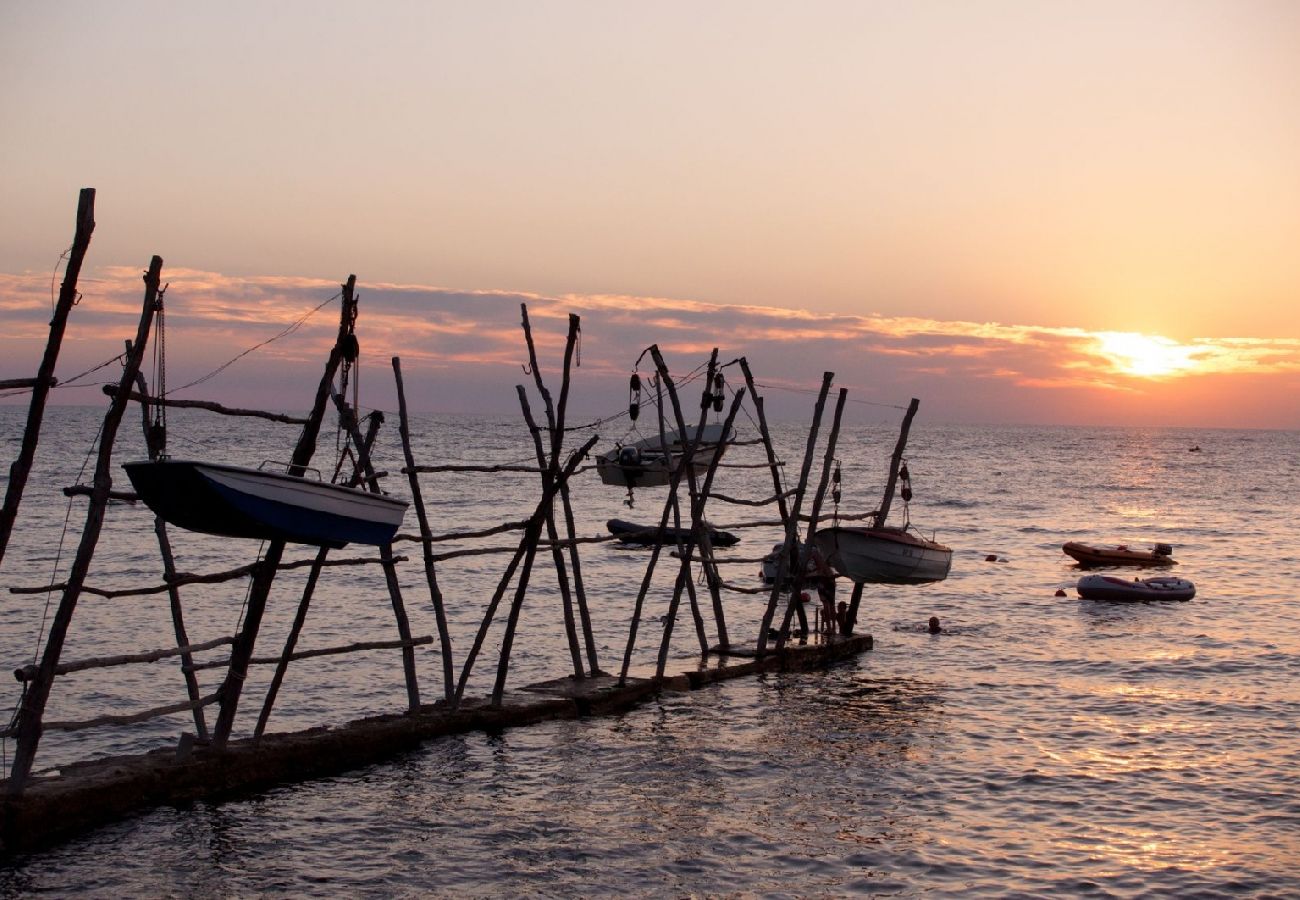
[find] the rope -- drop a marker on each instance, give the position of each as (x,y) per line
(285,333)
(58,556)
(811,391)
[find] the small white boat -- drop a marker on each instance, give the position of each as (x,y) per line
(646,464)
(1109,587)
(883,555)
(235,501)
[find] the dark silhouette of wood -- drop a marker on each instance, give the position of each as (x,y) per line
(111,390)
(366,472)
(44,380)
(894,461)
(805,547)
(426,538)
(557,552)
(242,651)
(153,441)
(790,552)
(28,673)
(701,532)
(32,708)
(527,544)
(555,420)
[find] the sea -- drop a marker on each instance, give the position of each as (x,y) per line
(1039,745)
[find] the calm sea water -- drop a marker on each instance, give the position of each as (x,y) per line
(1040,745)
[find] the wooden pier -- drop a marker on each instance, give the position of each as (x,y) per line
(88,794)
(219,758)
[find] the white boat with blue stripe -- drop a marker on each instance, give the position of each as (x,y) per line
(236,501)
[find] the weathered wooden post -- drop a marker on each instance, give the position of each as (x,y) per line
(895,460)
(791,554)
(527,547)
(417,498)
(696,508)
(805,548)
(555,416)
(670,507)
(366,471)
(22,466)
(242,651)
(32,708)
(700,530)
(154,442)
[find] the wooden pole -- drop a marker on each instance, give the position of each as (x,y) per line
(895,461)
(366,471)
(555,419)
(417,498)
(557,552)
(790,554)
(299,619)
(700,531)
(154,445)
(22,466)
(527,543)
(242,651)
(696,508)
(674,483)
(32,709)
(805,548)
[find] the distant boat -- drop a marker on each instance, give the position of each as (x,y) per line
(1110,587)
(235,501)
(1092,555)
(631,533)
(646,464)
(883,555)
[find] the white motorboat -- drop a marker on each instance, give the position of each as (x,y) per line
(650,462)
(883,555)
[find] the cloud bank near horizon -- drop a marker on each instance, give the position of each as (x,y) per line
(462,351)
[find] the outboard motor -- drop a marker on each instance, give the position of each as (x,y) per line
(629,457)
(1164,550)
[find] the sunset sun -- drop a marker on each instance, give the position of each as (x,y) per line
(1146,356)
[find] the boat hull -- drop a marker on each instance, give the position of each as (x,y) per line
(883,555)
(632,533)
(233,501)
(645,464)
(1109,587)
(1092,555)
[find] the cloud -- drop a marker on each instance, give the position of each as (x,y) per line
(464,350)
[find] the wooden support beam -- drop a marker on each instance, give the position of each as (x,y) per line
(242,651)
(111,390)
(44,380)
(366,471)
(13,384)
(28,673)
(790,554)
(357,647)
(32,708)
(805,546)
(894,461)
(128,719)
(528,541)
(555,420)
(426,537)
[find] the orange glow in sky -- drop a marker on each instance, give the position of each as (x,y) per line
(1041,211)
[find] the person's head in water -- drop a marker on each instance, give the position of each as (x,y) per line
(934,625)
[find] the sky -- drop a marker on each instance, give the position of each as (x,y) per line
(1017,212)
